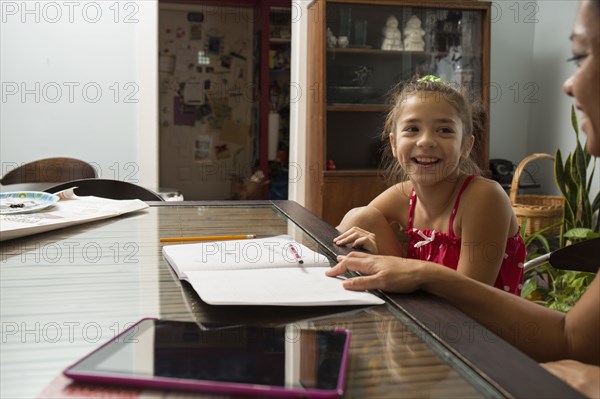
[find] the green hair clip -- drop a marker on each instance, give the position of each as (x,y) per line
(430,78)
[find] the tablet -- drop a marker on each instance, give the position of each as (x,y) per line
(267,361)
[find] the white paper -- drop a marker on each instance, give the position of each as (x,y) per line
(261,272)
(68,211)
(263,253)
(281,287)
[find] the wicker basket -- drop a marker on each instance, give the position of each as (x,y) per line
(540,210)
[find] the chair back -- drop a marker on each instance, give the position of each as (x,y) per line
(49,170)
(106,188)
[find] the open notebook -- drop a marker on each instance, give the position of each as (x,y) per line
(260,272)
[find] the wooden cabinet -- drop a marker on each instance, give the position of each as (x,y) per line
(353,61)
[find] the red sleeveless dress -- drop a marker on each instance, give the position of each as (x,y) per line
(444,249)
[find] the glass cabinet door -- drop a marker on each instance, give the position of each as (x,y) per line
(370,48)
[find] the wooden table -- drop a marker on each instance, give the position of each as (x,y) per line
(65,292)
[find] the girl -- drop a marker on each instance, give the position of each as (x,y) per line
(451,216)
(568,342)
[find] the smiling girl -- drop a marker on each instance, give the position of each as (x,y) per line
(452,216)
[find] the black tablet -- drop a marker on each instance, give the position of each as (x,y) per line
(267,361)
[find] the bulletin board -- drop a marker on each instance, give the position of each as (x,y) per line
(206,98)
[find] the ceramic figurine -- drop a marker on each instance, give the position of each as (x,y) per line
(392,38)
(331,39)
(343,41)
(449,67)
(413,35)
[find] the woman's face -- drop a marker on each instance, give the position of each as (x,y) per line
(584,84)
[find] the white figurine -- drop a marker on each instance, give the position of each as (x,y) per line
(449,68)
(413,35)
(392,36)
(331,39)
(343,41)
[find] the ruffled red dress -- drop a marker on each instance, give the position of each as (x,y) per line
(444,249)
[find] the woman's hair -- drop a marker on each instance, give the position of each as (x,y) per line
(472,116)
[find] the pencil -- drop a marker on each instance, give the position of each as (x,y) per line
(208,238)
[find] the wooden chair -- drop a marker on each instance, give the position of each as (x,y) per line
(49,170)
(113,189)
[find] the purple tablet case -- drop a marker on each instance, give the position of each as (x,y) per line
(210,386)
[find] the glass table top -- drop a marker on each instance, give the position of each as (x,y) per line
(65,292)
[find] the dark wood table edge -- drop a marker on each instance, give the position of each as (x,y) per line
(507,369)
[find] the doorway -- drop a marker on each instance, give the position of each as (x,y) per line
(208,129)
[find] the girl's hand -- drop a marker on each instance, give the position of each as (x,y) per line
(583,377)
(387,273)
(359,238)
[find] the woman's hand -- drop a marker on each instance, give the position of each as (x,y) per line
(387,273)
(583,377)
(359,238)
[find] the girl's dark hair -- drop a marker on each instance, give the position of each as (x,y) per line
(472,115)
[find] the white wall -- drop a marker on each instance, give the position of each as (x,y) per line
(511,74)
(79,79)
(297,157)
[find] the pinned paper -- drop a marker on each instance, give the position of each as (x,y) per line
(202,148)
(193,92)
(180,116)
(184,58)
(222,151)
(214,45)
(166,63)
(234,132)
(196,32)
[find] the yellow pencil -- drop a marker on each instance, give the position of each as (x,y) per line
(208,238)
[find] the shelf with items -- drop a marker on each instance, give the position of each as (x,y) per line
(275,83)
(357,107)
(379,52)
(357,52)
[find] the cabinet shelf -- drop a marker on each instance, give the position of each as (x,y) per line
(352,173)
(358,107)
(376,51)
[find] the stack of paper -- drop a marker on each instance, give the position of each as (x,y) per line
(70,210)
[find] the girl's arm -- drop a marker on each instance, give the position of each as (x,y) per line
(486,221)
(542,333)
(369,226)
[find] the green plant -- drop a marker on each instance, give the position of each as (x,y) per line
(560,289)
(571,180)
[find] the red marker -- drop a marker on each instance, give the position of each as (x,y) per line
(296,254)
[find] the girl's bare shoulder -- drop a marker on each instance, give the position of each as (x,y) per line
(485,192)
(399,191)
(393,202)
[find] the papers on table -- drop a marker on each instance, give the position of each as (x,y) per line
(69,211)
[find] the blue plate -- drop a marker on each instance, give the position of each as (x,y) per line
(25,201)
